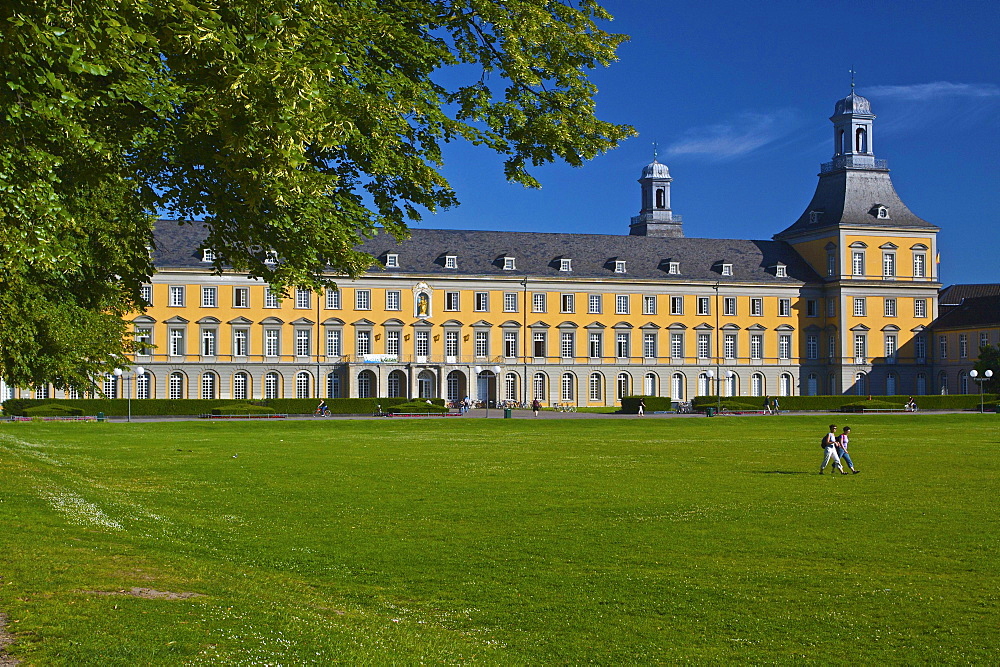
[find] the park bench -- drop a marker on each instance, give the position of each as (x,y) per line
(71,418)
(423,414)
(245,416)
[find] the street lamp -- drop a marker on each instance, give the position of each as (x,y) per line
(710,374)
(128,390)
(987,374)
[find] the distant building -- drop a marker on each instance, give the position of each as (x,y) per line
(838,302)
(969,320)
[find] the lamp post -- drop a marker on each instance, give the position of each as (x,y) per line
(128,385)
(710,374)
(987,374)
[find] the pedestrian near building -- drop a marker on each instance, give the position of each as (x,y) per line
(536,405)
(767,406)
(829,444)
(775,408)
(642,407)
(842,441)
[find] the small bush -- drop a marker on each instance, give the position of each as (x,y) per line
(630,404)
(242,409)
(874,404)
(418,406)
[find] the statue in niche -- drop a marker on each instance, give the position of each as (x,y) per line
(423,304)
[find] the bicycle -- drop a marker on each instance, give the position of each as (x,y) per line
(564,407)
(685,408)
(322,412)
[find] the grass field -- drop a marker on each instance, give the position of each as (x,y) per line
(501,542)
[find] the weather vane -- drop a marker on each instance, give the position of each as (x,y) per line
(853,72)
(655,152)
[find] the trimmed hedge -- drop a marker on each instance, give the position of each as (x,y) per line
(834,403)
(630,404)
(53,411)
(118,407)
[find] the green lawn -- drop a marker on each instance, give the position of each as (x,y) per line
(502,541)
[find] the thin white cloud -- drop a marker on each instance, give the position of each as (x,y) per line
(934,91)
(744,133)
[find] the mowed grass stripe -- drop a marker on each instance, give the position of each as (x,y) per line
(502,541)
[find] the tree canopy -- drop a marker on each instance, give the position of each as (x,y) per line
(293,126)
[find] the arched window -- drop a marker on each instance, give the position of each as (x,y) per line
(454,386)
(861,384)
(831,381)
(303,383)
(538,383)
(143,385)
(963,382)
(943,383)
(812,384)
(660,198)
(568,387)
(271,382)
(333,385)
(425,384)
(510,386)
(596,387)
(677,385)
(785,384)
(175,385)
(841,143)
(649,384)
(624,385)
(208,386)
(861,140)
(366,384)
(733,385)
(756,384)
(241,381)
(704,384)
(394,384)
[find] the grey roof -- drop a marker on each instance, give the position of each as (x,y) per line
(480,253)
(849,196)
(955,294)
(977,311)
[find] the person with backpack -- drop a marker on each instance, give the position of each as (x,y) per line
(842,441)
(767,406)
(829,445)
(536,405)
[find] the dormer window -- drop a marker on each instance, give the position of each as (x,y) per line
(727,269)
(781,271)
(881,212)
(392,261)
(208,255)
(451,261)
(508,264)
(814,217)
(565,265)
(674,268)
(271,257)
(619,266)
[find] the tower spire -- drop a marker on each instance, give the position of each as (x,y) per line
(853,72)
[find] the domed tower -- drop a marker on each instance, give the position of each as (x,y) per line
(852,132)
(655,218)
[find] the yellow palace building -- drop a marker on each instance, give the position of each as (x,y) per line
(838,302)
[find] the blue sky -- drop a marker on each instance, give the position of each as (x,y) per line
(738,96)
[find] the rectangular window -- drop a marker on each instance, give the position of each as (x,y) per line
(676,305)
(812,346)
(831,347)
(621,304)
(363,343)
(596,346)
(704,307)
(942,347)
(334,343)
(362,299)
(422,343)
(176,296)
(144,336)
(919,261)
(619,266)
(508,264)
(812,308)
(594,304)
(860,349)
(649,345)
(481,302)
(538,304)
(208,342)
(510,302)
(451,301)
(241,297)
(271,342)
(729,306)
(729,346)
(890,348)
(146,294)
(831,264)
(392,300)
(303,299)
(510,344)
(677,345)
(622,345)
(451,262)
(567,303)
(756,346)
(920,349)
(392,261)
(303,343)
(890,307)
(920,307)
(392,342)
(784,346)
(674,268)
(332,299)
(860,306)
(241,340)
(482,343)
(984,339)
(784,307)
(566,345)
(176,342)
(727,269)
(963,346)
(451,343)
(858,263)
(756,306)
(565,265)
(888,264)
(271,299)
(649,304)
(704,345)
(538,340)
(831,306)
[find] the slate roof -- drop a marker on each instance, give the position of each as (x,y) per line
(849,196)
(976,311)
(480,253)
(954,294)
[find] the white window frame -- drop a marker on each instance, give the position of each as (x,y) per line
(674,268)
(729,346)
(565,264)
(334,343)
(241,342)
(392,261)
(272,342)
(889,307)
(362,299)
(333,301)
(393,300)
(649,304)
(451,261)
(595,345)
(860,306)
(784,307)
(649,345)
(481,302)
(567,303)
(756,346)
(146,294)
(303,343)
(481,344)
(858,263)
(176,293)
(677,305)
(623,345)
(920,308)
(452,301)
(622,305)
(594,304)
(567,345)
(704,345)
(704,305)
(729,306)
(241,297)
(539,302)
(784,346)
(919,265)
(362,342)
(510,301)
(888,265)
(619,266)
(271,298)
(509,264)
(209,342)
(756,306)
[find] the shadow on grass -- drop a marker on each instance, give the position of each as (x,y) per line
(780,472)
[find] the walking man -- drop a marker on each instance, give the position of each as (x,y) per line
(829,445)
(842,441)
(767,406)
(642,407)
(536,405)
